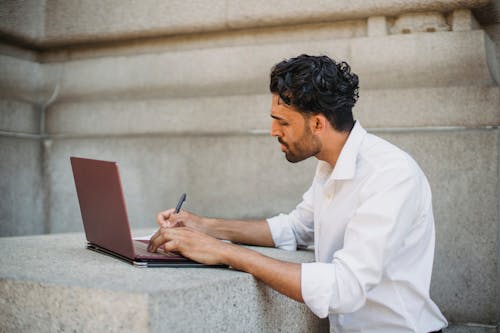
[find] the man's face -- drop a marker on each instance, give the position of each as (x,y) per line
(293,131)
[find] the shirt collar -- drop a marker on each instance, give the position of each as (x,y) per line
(345,168)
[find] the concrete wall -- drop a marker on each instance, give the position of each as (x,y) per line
(176,92)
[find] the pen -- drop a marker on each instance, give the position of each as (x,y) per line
(179,204)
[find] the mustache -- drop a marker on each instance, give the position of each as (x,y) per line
(283,142)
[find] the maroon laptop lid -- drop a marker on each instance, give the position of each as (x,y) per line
(102,205)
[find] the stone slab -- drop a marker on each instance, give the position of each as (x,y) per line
(18,116)
(425,59)
(242,13)
(470,328)
(21,187)
(52,283)
(422,60)
(61,22)
(391,108)
(23,20)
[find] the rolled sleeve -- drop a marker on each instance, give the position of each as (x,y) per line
(282,233)
(296,229)
(318,286)
(330,287)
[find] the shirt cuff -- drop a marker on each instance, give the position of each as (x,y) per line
(282,233)
(318,286)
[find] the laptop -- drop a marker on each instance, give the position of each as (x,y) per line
(105,220)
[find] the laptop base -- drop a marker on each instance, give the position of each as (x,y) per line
(143,263)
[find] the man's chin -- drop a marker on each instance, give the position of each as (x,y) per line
(294,159)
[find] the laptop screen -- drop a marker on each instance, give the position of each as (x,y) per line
(102,205)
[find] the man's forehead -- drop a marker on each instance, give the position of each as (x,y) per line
(277,100)
(280,109)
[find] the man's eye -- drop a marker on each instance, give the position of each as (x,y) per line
(283,123)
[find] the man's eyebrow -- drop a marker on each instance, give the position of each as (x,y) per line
(276,117)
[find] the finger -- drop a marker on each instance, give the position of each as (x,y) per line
(176,220)
(165,235)
(172,246)
(155,235)
(163,217)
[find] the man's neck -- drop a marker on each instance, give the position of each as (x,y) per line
(333,142)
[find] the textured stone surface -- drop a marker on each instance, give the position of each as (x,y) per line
(420,107)
(56,22)
(23,19)
(28,306)
(224,176)
(247,67)
(21,192)
(52,283)
(17,116)
(426,59)
(464,328)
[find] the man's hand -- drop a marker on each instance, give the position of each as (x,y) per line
(189,235)
(168,219)
(246,232)
(190,243)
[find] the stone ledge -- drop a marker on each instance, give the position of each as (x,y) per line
(71,21)
(433,107)
(424,60)
(52,283)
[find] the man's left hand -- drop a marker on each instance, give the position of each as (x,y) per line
(190,243)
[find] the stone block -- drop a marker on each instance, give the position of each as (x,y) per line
(23,19)
(241,114)
(19,78)
(27,80)
(462,168)
(424,60)
(470,328)
(420,22)
(58,285)
(467,106)
(322,31)
(416,60)
(244,114)
(377,26)
(54,22)
(463,20)
(73,21)
(244,14)
(18,116)
(21,187)
(42,307)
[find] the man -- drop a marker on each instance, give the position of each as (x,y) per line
(368,213)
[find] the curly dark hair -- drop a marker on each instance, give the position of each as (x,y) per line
(317,84)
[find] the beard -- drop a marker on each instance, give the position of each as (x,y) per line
(308,145)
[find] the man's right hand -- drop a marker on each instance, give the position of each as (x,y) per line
(168,219)
(246,232)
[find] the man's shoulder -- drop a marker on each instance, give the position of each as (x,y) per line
(379,154)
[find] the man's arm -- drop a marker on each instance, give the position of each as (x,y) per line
(247,232)
(282,276)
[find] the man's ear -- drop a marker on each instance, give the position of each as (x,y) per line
(319,123)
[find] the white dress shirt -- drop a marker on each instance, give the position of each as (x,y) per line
(371,221)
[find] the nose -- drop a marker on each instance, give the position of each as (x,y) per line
(275,131)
